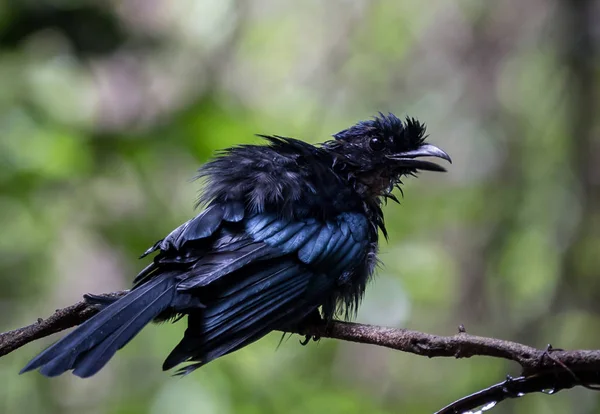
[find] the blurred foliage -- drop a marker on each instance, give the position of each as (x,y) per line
(107,109)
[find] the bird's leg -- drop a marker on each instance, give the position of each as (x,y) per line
(312,319)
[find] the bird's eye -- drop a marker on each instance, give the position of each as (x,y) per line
(376,144)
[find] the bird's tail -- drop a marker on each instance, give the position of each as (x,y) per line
(89,347)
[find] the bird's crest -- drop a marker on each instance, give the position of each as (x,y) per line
(409,133)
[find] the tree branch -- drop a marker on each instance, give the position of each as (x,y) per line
(62,319)
(542,369)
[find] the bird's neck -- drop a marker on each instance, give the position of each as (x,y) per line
(370,187)
(373,184)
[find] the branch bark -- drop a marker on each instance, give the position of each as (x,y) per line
(541,368)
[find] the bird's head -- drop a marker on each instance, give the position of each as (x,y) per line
(378,152)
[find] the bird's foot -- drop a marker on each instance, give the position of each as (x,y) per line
(307,339)
(308,324)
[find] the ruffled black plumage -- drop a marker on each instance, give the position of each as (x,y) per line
(286,229)
(289,177)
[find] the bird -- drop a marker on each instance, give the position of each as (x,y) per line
(287,235)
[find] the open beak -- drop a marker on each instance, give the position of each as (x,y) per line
(407,159)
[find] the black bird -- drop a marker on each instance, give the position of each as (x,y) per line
(289,233)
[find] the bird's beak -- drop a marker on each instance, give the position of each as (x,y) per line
(407,159)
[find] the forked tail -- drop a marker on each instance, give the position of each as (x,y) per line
(89,347)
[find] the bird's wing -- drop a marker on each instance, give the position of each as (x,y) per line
(272,274)
(325,246)
(200,227)
(190,241)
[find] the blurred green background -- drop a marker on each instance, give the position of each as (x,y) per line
(108,107)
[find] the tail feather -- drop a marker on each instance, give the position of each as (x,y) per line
(89,347)
(92,331)
(97,357)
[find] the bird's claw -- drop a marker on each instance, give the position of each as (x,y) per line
(307,339)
